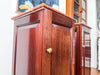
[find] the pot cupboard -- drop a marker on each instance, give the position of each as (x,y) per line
(43,42)
(83,49)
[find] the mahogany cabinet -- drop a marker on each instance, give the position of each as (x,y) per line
(83,49)
(43,42)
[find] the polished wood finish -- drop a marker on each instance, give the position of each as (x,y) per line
(25,51)
(70,9)
(83,49)
(38,30)
(38,8)
(62,54)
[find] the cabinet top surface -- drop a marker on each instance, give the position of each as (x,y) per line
(38,8)
(81,24)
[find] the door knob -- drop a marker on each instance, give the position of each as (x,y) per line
(49,50)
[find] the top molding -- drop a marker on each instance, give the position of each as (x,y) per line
(77,24)
(38,8)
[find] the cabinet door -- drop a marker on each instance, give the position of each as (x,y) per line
(27,50)
(61,56)
(86,54)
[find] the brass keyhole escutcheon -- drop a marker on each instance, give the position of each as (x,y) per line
(49,50)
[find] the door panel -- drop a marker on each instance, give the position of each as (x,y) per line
(26,47)
(86,54)
(61,56)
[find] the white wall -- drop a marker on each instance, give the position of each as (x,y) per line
(62,6)
(6,36)
(91,18)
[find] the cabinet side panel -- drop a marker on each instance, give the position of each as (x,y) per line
(26,50)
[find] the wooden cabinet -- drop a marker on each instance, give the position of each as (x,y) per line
(77,9)
(83,49)
(43,42)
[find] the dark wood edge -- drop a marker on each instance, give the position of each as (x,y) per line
(38,7)
(76,24)
(14,51)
